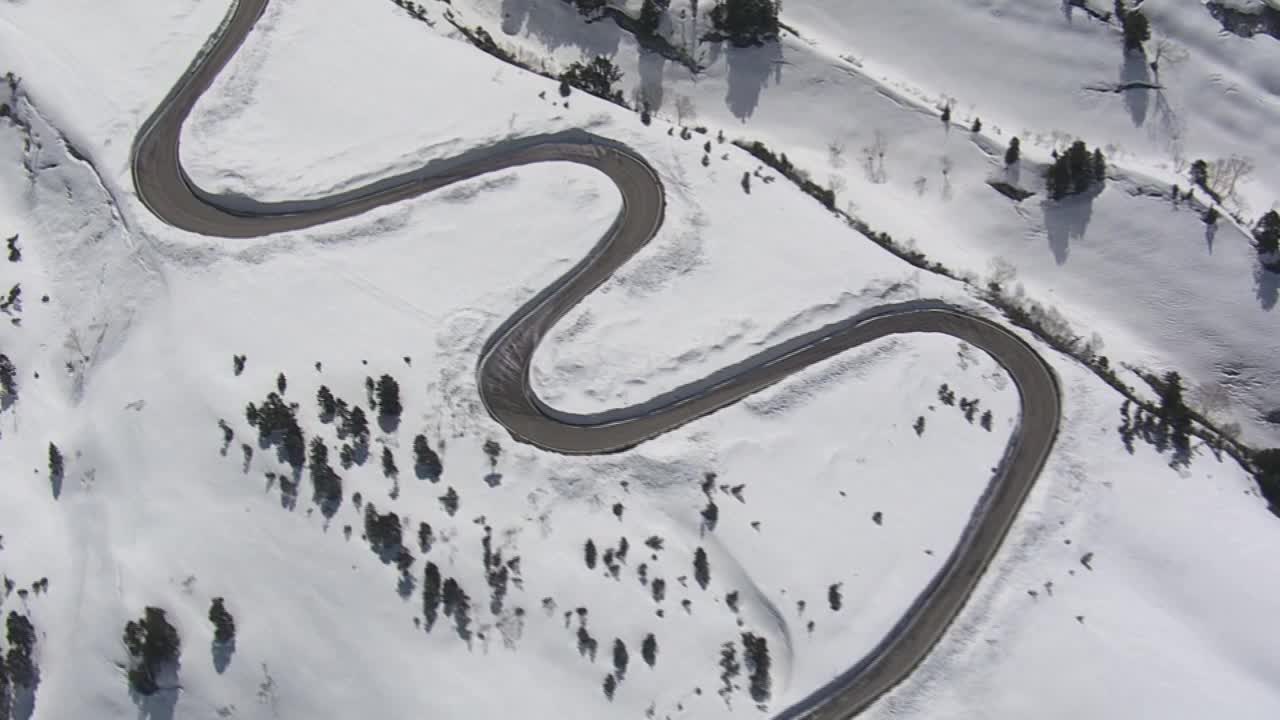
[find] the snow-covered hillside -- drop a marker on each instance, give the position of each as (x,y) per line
(822,505)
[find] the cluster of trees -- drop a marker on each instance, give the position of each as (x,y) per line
(1075,171)
(445,594)
(277,424)
(498,572)
(384,532)
(154,648)
(746,22)
(415,10)
(756,656)
(1169,425)
(596,77)
(17,666)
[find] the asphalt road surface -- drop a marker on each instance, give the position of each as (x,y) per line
(504,365)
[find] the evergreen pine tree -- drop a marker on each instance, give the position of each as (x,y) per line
(389,468)
(328,404)
(649,650)
(650,17)
(426,461)
(56,468)
(1267,233)
(1200,174)
(1099,166)
(1014,152)
(620,657)
(389,397)
(701,569)
(1137,30)
(431,594)
(224,625)
(357,425)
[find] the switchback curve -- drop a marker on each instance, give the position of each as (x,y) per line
(504,366)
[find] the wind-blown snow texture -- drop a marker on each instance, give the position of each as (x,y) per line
(134,355)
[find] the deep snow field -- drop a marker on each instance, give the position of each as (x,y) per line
(1127,588)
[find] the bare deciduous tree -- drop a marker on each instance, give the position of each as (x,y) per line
(1165,51)
(873,159)
(835,153)
(685,109)
(1227,173)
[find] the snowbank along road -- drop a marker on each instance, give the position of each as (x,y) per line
(504,365)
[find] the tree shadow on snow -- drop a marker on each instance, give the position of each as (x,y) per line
(651,67)
(161,704)
(222,653)
(405,586)
(556,24)
(749,70)
(388,423)
(24,699)
(1267,286)
(1137,100)
(1067,219)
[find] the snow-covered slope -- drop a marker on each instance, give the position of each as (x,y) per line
(821,482)
(1194,299)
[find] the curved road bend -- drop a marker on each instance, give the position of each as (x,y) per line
(504,367)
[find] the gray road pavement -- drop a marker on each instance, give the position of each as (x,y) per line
(504,366)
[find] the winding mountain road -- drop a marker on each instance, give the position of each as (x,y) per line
(504,366)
